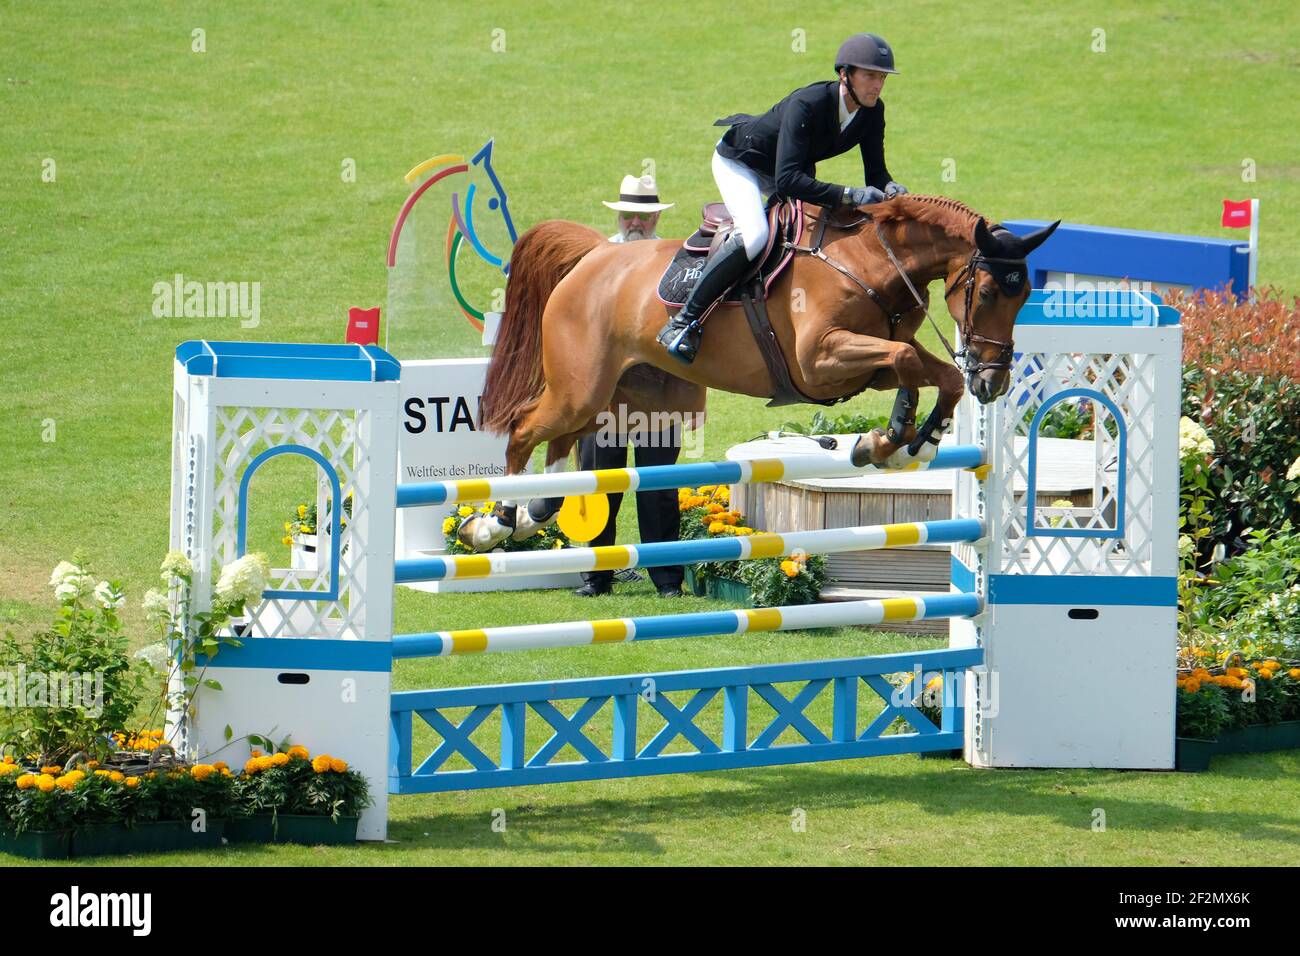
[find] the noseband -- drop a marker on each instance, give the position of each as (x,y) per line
(1006,350)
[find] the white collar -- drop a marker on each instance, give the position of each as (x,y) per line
(845,116)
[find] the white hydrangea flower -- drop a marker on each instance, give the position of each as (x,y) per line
(1294,471)
(176,565)
(156,607)
(108,598)
(244,579)
(62,571)
(157,656)
(1193,439)
(67,591)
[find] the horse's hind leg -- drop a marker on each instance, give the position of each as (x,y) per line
(540,513)
(554,420)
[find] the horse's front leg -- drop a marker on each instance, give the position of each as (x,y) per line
(949,379)
(843,357)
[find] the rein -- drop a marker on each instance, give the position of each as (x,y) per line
(969,336)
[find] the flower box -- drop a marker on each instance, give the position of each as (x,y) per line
(720,589)
(36,844)
(158,836)
(692,583)
(1193,755)
(258,828)
(315,830)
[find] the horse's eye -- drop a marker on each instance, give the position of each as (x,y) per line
(988,293)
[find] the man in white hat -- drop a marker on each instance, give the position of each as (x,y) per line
(658,518)
(638,209)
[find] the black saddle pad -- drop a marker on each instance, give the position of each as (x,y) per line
(684,271)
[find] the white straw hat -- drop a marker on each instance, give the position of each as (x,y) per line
(638,195)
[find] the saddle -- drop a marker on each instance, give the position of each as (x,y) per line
(785,226)
(785,230)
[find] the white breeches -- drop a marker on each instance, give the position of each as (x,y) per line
(742,191)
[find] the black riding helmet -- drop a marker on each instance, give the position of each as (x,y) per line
(867,51)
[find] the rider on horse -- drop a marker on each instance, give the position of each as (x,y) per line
(777,153)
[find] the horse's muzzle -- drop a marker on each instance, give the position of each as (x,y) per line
(988,384)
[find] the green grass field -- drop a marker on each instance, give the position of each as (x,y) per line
(225,165)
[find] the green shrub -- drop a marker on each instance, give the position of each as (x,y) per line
(74,683)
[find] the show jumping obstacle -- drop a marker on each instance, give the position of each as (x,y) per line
(1064,619)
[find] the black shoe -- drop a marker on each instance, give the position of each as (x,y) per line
(592,590)
(629,576)
(681,336)
(671,591)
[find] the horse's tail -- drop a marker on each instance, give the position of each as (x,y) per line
(543,256)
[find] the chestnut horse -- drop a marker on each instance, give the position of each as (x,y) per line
(580,312)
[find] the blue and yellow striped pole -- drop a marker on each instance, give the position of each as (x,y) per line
(661,477)
(667,553)
(622,630)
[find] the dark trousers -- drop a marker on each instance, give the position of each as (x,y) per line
(658,517)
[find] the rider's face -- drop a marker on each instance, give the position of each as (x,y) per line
(866,84)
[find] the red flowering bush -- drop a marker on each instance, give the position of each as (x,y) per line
(1241,383)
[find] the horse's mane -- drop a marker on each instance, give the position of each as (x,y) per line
(955,218)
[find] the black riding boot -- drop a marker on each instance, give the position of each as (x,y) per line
(681,336)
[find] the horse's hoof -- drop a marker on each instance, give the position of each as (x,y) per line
(526,525)
(866,450)
(482,532)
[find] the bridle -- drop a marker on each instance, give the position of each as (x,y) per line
(963,357)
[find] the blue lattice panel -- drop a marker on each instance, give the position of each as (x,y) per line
(613,747)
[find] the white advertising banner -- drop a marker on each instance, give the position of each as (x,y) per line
(438,441)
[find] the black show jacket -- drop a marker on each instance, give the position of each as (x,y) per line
(788,141)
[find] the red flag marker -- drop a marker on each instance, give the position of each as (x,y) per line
(1237,215)
(363,326)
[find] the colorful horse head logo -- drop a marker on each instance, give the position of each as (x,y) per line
(461,224)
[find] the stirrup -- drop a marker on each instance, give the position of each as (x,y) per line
(680,346)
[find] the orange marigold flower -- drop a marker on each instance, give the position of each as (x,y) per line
(52,769)
(1265,674)
(1192,686)
(251,765)
(26,781)
(338,766)
(717,527)
(1294,673)
(279,760)
(133,781)
(321,763)
(117,776)
(65,783)
(202,771)
(220,765)
(299,753)
(45,783)
(715,508)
